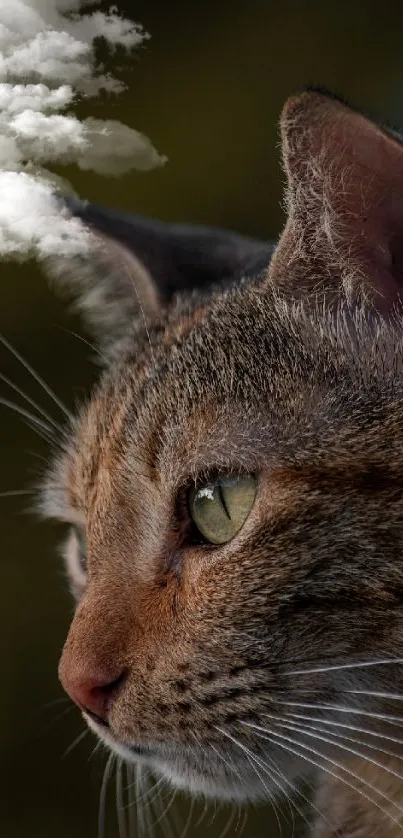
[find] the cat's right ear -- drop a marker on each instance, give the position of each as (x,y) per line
(344,229)
(137,265)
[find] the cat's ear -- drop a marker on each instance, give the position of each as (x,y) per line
(111,288)
(344,201)
(140,264)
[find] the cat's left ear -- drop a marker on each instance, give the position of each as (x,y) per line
(137,265)
(345,204)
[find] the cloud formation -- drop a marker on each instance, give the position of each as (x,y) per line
(47,63)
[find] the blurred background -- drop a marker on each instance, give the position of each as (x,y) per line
(208,89)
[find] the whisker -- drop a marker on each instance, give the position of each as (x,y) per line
(231,768)
(35,423)
(88,342)
(304,728)
(150,792)
(174,815)
(204,813)
(291,802)
(354,665)
(254,761)
(241,810)
(36,376)
(335,764)
(189,819)
(13,493)
(49,704)
(102,796)
(36,455)
(131,806)
(164,812)
(138,787)
(75,742)
(393,720)
(375,694)
(241,826)
(225,831)
(97,747)
(147,808)
(337,736)
(298,792)
(316,764)
(119,800)
(215,805)
(355,728)
(154,790)
(52,722)
(288,782)
(32,402)
(274,769)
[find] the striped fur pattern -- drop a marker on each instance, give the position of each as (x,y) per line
(242,667)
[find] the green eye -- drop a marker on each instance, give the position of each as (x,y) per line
(220,509)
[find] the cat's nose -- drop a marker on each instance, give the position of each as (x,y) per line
(93,695)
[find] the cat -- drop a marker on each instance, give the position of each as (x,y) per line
(234,489)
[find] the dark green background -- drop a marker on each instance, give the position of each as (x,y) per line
(208,89)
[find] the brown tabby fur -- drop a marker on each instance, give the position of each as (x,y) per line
(293,375)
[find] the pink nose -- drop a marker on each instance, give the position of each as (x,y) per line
(93,695)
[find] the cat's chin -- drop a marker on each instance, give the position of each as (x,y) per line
(183,772)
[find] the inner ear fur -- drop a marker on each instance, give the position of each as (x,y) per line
(344,199)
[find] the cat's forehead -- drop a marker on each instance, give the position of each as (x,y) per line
(179,398)
(232,384)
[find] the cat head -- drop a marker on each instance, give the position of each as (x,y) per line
(233,486)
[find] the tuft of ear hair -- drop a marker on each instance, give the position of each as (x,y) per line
(138,265)
(344,198)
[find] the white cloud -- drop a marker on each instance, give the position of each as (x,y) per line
(46,61)
(33,223)
(16,98)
